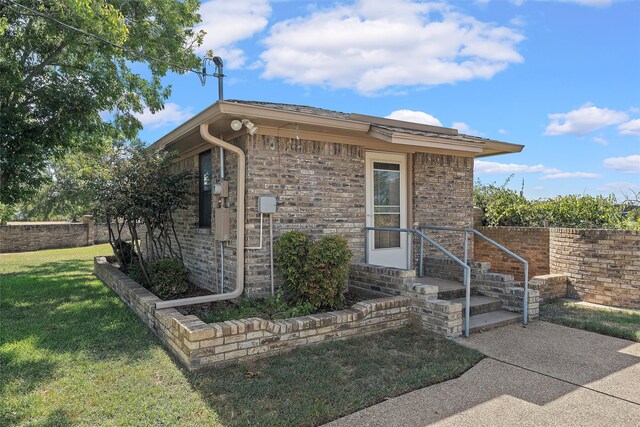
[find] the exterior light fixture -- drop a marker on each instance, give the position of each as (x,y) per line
(237,125)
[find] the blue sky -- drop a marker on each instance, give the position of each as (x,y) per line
(560,77)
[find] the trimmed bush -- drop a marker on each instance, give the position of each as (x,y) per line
(169,278)
(292,251)
(328,268)
(314,273)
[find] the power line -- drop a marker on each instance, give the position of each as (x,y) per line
(8,3)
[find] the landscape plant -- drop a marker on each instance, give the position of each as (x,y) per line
(502,206)
(141,190)
(314,273)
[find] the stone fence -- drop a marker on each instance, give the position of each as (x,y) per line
(602,266)
(26,236)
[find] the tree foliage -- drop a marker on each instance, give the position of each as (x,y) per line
(69,191)
(502,206)
(140,188)
(57,84)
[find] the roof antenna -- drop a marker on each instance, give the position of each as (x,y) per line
(217,61)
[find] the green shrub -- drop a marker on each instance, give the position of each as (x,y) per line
(169,278)
(292,251)
(502,206)
(315,275)
(135,272)
(328,268)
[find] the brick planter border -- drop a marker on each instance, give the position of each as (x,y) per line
(198,344)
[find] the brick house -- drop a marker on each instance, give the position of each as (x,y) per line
(328,173)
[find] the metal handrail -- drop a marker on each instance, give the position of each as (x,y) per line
(525,310)
(423,237)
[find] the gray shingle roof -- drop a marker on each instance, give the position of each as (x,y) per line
(321,112)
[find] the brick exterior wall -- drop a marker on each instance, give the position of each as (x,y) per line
(443,196)
(320,190)
(530,243)
(197,344)
(603,265)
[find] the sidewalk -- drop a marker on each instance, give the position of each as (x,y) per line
(543,375)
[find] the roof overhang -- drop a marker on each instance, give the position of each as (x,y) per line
(357,128)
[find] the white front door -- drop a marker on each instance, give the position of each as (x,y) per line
(386,186)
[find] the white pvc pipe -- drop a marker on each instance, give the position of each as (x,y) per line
(273,292)
(204,132)
(260,245)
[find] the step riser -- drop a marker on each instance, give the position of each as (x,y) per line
(499,324)
(483,308)
(456,293)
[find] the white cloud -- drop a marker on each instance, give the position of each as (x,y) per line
(538,187)
(371,45)
(620,186)
(632,127)
(172,114)
(415,117)
(629,164)
(490,168)
(228,22)
(465,128)
(502,131)
(600,139)
(592,3)
(571,175)
(583,120)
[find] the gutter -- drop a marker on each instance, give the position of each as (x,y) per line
(240,208)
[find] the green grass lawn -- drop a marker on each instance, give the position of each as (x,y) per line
(616,323)
(73,354)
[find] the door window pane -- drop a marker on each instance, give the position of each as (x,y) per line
(386,204)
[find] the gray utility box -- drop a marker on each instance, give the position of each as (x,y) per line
(222,225)
(267,205)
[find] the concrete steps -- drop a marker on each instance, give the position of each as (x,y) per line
(480,304)
(447,289)
(493,319)
(486,312)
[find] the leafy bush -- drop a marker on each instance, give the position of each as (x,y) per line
(502,206)
(328,267)
(292,251)
(169,278)
(136,273)
(314,273)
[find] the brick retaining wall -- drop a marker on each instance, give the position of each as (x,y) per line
(198,344)
(602,266)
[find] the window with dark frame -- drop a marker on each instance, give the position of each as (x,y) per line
(204,190)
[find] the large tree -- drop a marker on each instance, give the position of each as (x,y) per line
(67,80)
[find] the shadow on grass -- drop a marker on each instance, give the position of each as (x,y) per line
(314,385)
(59,309)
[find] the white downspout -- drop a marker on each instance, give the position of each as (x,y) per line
(204,132)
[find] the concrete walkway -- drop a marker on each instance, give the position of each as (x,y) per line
(542,375)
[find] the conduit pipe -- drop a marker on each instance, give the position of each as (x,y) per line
(210,139)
